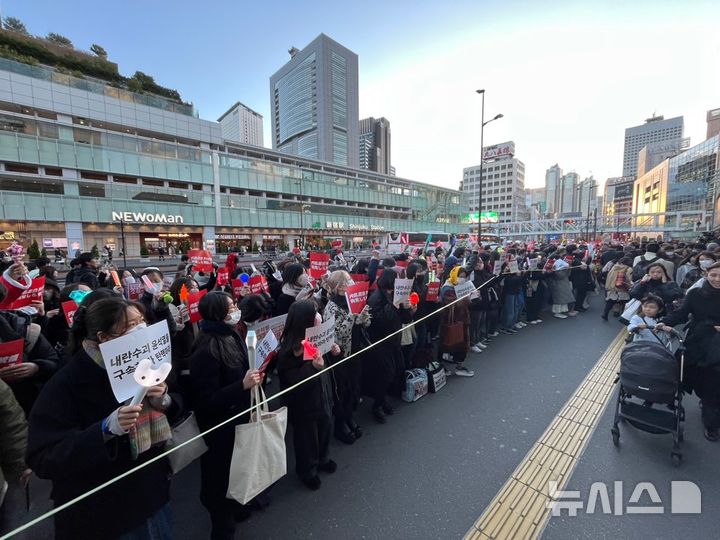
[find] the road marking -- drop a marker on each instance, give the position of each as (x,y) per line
(519,510)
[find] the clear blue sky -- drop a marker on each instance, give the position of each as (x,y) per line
(569,77)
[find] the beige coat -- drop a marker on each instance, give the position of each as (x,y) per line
(611,291)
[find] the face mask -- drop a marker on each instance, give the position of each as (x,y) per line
(78,296)
(155,289)
(128,280)
(235,317)
(303,280)
(136,328)
(706,263)
(669,253)
(461,280)
(201,280)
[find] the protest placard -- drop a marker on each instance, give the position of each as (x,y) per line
(265,348)
(322,336)
(201,260)
(464,289)
(319,264)
(357,278)
(258,284)
(276,325)
(402,290)
(223,277)
(193,305)
(513,267)
(356,296)
(32,294)
(134,290)
(237,286)
(497,267)
(11,352)
(122,355)
(167,282)
(433,291)
(69,308)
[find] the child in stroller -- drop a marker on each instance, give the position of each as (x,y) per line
(642,325)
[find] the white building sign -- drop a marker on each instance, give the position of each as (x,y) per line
(506,149)
(143,217)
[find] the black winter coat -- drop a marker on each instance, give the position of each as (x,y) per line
(669,291)
(85,275)
(67,446)
(311,400)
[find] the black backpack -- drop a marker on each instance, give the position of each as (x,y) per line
(640,269)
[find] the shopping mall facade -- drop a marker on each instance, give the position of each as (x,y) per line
(78,158)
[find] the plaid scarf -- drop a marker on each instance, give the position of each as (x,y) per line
(152,427)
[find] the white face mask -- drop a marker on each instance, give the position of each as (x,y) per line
(235,317)
(155,289)
(303,280)
(706,263)
(136,328)
(128,280)
(669,253)
(461,280)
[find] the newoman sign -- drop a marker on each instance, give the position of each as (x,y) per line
(142,217)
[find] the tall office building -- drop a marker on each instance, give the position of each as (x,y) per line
(567,196)
(503,184)
(587,197)
(314,101)
(618,198)
(375,144)
(713,123)
(242,125)
(552,183)
(655,129)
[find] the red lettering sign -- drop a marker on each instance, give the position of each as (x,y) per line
(319,264)
(69,308)
(30,295)
(357,278)
(11,352)
(193,305)
(258,284)
(433,291)
(357,296)
(237,286)
(223,277)
(201,260)
(134,290)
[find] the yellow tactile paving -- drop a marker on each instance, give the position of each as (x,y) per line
(519,510)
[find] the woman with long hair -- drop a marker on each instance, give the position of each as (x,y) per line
(220,383)
(310,404)
(296,286)
(657,281)
(80,438)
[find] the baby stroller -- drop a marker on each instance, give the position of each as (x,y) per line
(650,394)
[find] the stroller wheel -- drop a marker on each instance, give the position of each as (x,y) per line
(676,458)
(615,436)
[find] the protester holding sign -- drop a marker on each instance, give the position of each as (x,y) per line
(296,286)
(455,325)
(80,438)
(220,381)
(183,338)
(348,376)
(386,364)
(155,300)
(309,405)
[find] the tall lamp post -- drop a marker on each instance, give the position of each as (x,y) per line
(483,123)
(122,236)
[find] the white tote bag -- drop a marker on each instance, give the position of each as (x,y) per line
(631,308)
(259,455)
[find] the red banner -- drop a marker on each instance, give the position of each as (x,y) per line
(237,286)
(258,285)
(223,277)
(201,260)
(193,305)
(357,278)
(33,294)
(357,296)
(319,264)
(11,352)
(69,308)
(433,291)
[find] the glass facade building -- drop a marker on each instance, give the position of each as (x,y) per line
(74,162)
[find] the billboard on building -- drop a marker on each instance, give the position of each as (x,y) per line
(486,217)
(502,150)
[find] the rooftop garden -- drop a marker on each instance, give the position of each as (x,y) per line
(58,52)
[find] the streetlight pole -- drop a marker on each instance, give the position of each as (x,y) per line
(483,123)
(122,237)
(302,211)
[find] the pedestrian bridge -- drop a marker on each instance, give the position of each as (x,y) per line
(667,224)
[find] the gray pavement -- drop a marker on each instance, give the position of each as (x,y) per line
(434,467)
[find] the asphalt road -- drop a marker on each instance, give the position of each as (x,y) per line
(434,467)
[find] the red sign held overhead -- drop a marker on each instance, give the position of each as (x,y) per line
(134,290)
(258,285)
(193,305)
(237,286)
(319,264)
(357,296)
(201,260)
(33,294)
(69,308)
(433,291)
(11,352)
(223,277)
(357,278)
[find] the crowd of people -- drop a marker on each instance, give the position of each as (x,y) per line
(59,418)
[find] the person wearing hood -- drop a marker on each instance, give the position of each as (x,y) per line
(701,308)
(453,350)
(296,286)
(657,281)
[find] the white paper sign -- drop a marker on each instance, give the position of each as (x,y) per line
(465,289)
(403,287)
(123,354)
(268,345)
(276,324)
(513,267)
(497,267)
(322,336)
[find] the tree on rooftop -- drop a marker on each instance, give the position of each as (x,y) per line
(97,50)
(59,39)
(15,25)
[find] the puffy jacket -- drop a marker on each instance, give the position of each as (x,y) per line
(13,438)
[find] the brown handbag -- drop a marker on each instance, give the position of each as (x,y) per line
(454,334)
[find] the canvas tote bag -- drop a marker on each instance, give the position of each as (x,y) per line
(259,454)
